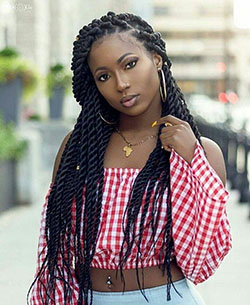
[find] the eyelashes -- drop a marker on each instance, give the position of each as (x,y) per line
(130,65)
(103,77)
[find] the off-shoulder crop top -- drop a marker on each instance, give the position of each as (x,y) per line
(118,183)
(201,230)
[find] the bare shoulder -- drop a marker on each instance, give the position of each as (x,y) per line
(215,157)
(59,155)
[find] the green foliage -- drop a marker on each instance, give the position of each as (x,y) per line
(13,66)
(9,52)
(59,77)
(35,117)
(11,147)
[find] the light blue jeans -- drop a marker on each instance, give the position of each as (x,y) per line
(156,296)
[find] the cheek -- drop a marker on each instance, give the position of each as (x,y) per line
(151,79)
(106,92)
(103,90)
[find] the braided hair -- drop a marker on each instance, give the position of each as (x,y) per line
(85,149)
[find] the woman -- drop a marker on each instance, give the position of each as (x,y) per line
(136,205)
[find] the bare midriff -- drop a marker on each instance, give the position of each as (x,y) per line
(152,277)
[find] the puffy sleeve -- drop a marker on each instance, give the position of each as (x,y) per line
(38,292)
(201,230)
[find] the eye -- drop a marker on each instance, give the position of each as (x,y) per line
(103,77)
(131,64)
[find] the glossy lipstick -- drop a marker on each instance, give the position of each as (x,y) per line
(129,101)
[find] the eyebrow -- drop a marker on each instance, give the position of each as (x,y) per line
(118,61)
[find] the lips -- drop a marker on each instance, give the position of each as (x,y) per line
(129,100)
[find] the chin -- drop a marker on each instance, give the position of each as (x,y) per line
(136,112)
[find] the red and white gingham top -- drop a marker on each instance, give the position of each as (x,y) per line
(201,230)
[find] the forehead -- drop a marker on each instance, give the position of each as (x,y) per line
(111,47)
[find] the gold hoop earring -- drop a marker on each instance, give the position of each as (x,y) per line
(163,90)
(107,122)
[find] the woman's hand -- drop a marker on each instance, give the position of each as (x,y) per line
(177,134)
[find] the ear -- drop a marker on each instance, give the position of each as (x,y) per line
(157,60)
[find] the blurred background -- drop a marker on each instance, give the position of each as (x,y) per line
(208,43)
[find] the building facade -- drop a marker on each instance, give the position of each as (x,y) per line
(209,54)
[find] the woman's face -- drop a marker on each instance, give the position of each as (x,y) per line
(125,73)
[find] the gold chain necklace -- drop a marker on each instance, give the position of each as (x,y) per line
(128,148)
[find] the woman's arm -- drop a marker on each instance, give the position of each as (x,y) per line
(201,230)
(215,158)
(59,155)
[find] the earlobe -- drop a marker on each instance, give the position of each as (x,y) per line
(157,60)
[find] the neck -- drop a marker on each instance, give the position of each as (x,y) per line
(141,124)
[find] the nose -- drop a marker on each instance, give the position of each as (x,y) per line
(122,83)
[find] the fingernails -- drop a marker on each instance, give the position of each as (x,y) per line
(168,124)
(155,122)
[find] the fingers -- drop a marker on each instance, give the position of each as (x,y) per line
(168,124)
(166,147)
(166,144)
(167,137)
(167,131)
(168,119)
(172,132)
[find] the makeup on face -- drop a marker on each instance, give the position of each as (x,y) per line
(129,100)
(124,73)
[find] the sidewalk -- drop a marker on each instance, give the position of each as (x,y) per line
(19,229)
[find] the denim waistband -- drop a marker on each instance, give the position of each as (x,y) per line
(135,292)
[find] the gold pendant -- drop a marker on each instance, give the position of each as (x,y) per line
(128,150)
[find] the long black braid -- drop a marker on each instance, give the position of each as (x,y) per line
(85,149)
